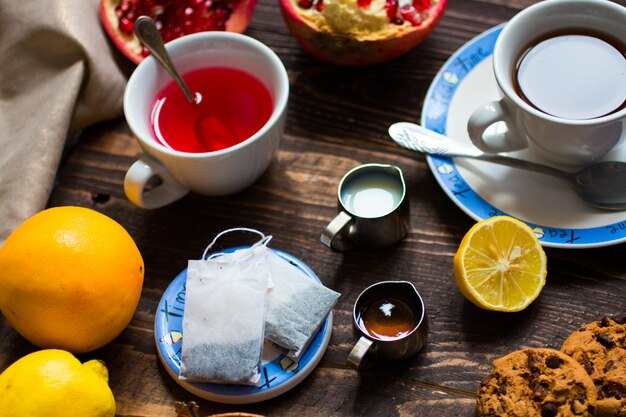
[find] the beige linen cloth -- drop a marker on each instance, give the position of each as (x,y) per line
(58,74)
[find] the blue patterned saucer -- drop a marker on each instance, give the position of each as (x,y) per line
(279,373)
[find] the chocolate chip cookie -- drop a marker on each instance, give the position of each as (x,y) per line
(536,382)
(600,347)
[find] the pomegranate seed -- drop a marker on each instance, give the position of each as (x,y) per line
(392,9)
(305,4)
(126,25)
(397,21)
(319,6)
(364,4)
(175,18)
(411,15)
(421,5)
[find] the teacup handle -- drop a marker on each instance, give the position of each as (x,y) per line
(331,236)
(358,352)
(137,177)
(487,115)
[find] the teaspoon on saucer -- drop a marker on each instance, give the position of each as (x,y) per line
(602,184)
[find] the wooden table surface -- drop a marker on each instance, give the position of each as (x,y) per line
(337,119)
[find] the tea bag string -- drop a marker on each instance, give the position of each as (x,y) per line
(263,241)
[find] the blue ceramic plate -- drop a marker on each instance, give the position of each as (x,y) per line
(481,189)
(279,373)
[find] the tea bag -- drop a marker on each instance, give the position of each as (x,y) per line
(223,322)
(297,305)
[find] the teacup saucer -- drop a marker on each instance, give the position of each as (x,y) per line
(279,373)
(482,189)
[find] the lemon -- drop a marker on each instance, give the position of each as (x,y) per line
(500,265)
(53,383)
(71,279)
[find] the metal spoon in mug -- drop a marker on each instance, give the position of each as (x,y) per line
(602,184)
(209,129)
(148,34)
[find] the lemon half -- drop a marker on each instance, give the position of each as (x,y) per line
(500,265)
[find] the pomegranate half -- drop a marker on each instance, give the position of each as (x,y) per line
(174,18)
(361,32)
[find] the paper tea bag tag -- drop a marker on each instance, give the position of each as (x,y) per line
(242,252)
(257,252)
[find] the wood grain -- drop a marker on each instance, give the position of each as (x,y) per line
(337,119)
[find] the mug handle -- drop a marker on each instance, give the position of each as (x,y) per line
(331,236)
(137,177)
(358,352)
(487,115)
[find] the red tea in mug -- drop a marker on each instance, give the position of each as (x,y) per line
(231,105)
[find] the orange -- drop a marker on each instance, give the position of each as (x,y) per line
(70,279)
(500,265)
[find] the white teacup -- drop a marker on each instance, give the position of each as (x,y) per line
(221,172)
(559,140)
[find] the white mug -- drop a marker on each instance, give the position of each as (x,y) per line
(557,140)
(221,172)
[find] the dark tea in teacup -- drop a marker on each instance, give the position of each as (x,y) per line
(573,74)
(231,106)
